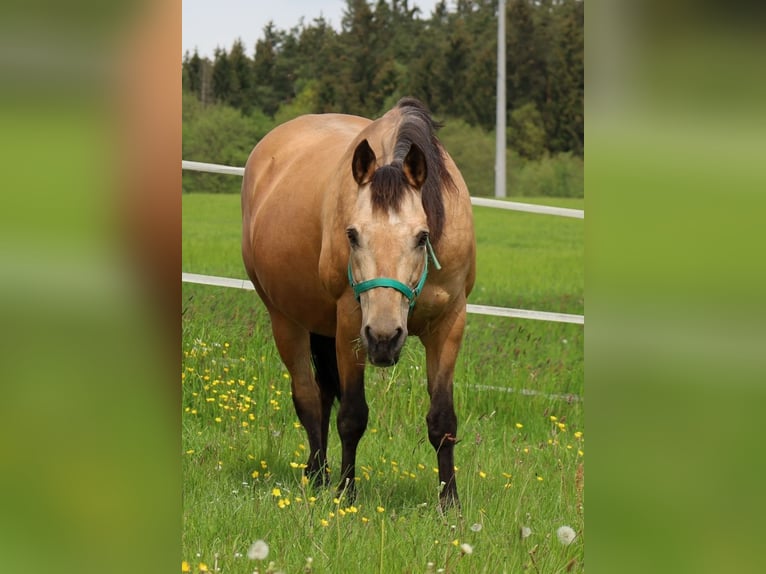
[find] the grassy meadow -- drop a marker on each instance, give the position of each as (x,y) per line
(518,396)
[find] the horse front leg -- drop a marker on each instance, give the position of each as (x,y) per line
(442,345)
(353,411)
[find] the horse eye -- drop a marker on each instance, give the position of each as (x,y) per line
(422,238)
(353,236)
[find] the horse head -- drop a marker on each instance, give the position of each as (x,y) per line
(388,237)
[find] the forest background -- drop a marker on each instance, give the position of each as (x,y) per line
(389,49)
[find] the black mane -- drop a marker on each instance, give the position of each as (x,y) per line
(388,182)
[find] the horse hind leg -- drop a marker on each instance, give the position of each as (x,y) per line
(328,380)
(294,348)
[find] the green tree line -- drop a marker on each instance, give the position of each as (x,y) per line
(388,49)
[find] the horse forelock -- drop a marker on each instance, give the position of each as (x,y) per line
(388,184)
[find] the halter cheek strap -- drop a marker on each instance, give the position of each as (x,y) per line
(410,294)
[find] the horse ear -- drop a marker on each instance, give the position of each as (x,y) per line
(414,167)
(363,164)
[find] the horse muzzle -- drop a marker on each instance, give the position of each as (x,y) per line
(383,346)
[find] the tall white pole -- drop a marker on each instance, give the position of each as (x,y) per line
(500,118)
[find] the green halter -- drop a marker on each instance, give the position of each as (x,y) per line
(411,294)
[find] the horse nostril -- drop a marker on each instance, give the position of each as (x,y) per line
(397,335)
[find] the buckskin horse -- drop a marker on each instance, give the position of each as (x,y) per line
(355,234)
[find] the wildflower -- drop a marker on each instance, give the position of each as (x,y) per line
(565,535)
(255,474)
(540,478)
(324,522)
(259,550)
(456,542)
(202,567)
(554,419)
(185,566)
(466,548)
(526,532)
(380,509)
(578,434)
(476,527)
(482,474)
(519,426)
(276,492)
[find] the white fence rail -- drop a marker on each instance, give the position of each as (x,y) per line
(479,201)
(475,309)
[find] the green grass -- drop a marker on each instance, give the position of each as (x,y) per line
(239,420)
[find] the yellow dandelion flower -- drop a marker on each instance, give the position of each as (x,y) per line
(525,450)
(341,512)
(540,478)
(421,466)
(554,419)
(456,542)
(580,453)
(190,451)
(251,416)
(295,465)
(305,481)
(353,509)
(218,419)
(562,426)
(578,434)
(263,464)
(324,522)
(519,426)
(276,492)
(255,474)
(296,425)
(202,567)
(285,376)
(298,499)
(507,475)
(336,501)
(482,474)
(185,566)
(331,515)
(365,520)
(380,509)
(312,499)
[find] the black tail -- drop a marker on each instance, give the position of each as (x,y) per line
(325,364)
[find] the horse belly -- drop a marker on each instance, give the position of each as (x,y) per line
(285,263)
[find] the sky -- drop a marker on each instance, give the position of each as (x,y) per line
(211,23)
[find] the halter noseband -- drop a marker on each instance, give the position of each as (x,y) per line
(410,294)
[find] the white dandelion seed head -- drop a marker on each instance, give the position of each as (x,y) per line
(466,548)
(526,532)
(259,550)
(476,527)
(565,535)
